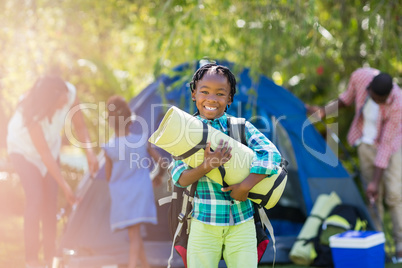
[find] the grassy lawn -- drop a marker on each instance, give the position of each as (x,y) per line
(11,224)
(11,241)
(299,266)
(11,245)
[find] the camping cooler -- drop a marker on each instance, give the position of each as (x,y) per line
(356,249)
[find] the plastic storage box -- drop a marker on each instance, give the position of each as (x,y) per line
(357,249)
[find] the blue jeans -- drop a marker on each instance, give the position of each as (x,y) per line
(40,207)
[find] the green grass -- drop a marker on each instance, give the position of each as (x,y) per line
(388,265)
(12,246)
(11,224)
(11,241)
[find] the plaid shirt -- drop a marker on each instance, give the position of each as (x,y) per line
(389,122)
(211,205)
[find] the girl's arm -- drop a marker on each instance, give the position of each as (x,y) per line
(240,190)
(39,141)
(83,137)
(161,164)
(212,160)
(189,176)
(108,167)
(322,111)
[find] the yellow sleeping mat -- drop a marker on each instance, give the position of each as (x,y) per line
(185,137)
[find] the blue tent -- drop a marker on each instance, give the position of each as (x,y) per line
(313,167)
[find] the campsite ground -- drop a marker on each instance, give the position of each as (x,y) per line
(299,266)
(11,244)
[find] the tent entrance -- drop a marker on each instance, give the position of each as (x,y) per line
(289,215)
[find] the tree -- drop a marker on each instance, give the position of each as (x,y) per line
(119,46)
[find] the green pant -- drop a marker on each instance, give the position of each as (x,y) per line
(207,244)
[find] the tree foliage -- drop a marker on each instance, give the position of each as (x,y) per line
(119,46)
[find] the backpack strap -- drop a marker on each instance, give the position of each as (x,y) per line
(188,197)
(201,145)
(267,224)
(237,129)
(167,199)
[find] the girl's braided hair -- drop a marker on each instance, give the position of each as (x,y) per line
(218,69)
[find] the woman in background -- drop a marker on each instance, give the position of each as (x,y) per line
(33,143)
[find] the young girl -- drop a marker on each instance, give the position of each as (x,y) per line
(222,221)
(33,144)
(127,171)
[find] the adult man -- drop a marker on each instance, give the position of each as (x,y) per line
(376,130)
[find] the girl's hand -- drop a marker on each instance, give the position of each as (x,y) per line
(70,196)
(93,164)
(157,180)
(316,111)
(214,159)
(372,193)
(239,192)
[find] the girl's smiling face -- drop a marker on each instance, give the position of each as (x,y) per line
(212,95)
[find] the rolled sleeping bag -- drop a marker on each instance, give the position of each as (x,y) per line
(302,252)
(185,137)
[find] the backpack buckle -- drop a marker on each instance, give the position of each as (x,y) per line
(181,217)
(284,163)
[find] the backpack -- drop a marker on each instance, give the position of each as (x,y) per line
(342,218)
(181,205)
